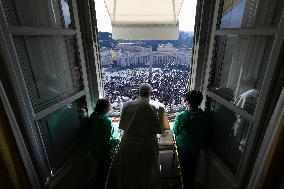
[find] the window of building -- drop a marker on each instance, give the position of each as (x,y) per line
(239,65)
(245,14)
(50,67)
(53,13)
(45,45)
(61,132)
(241,51)
(232,128)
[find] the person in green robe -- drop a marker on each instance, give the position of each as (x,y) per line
(189,129)
(100,140)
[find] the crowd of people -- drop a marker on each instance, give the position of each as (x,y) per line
(168,85)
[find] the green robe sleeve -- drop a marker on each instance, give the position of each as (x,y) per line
(176,125)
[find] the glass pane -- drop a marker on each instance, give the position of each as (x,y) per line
(38,13)
(66,13)
(62,132)
(232,15)
(229,132)
(250,13)
(239,66)
(50,67)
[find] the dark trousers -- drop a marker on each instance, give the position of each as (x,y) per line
(188,162)
(102,173)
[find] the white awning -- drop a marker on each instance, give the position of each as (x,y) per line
(144,19)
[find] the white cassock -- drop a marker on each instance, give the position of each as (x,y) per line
(246,101)
(141,121)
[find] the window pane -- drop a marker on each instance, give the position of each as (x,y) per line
(232,15)
(229,132)
(38,13)
(249,13)
(62,132)
(239,66)
(50,67)
(66,13)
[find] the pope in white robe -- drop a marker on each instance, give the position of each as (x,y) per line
(141,121)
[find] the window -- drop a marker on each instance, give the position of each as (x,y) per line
(230,127)
(46,42)
(39,13)
(232,15)
(243,38)
(50,66)
(239,65)
(62,132)
(248,14)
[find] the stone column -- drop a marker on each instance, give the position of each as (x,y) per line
(150,57)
